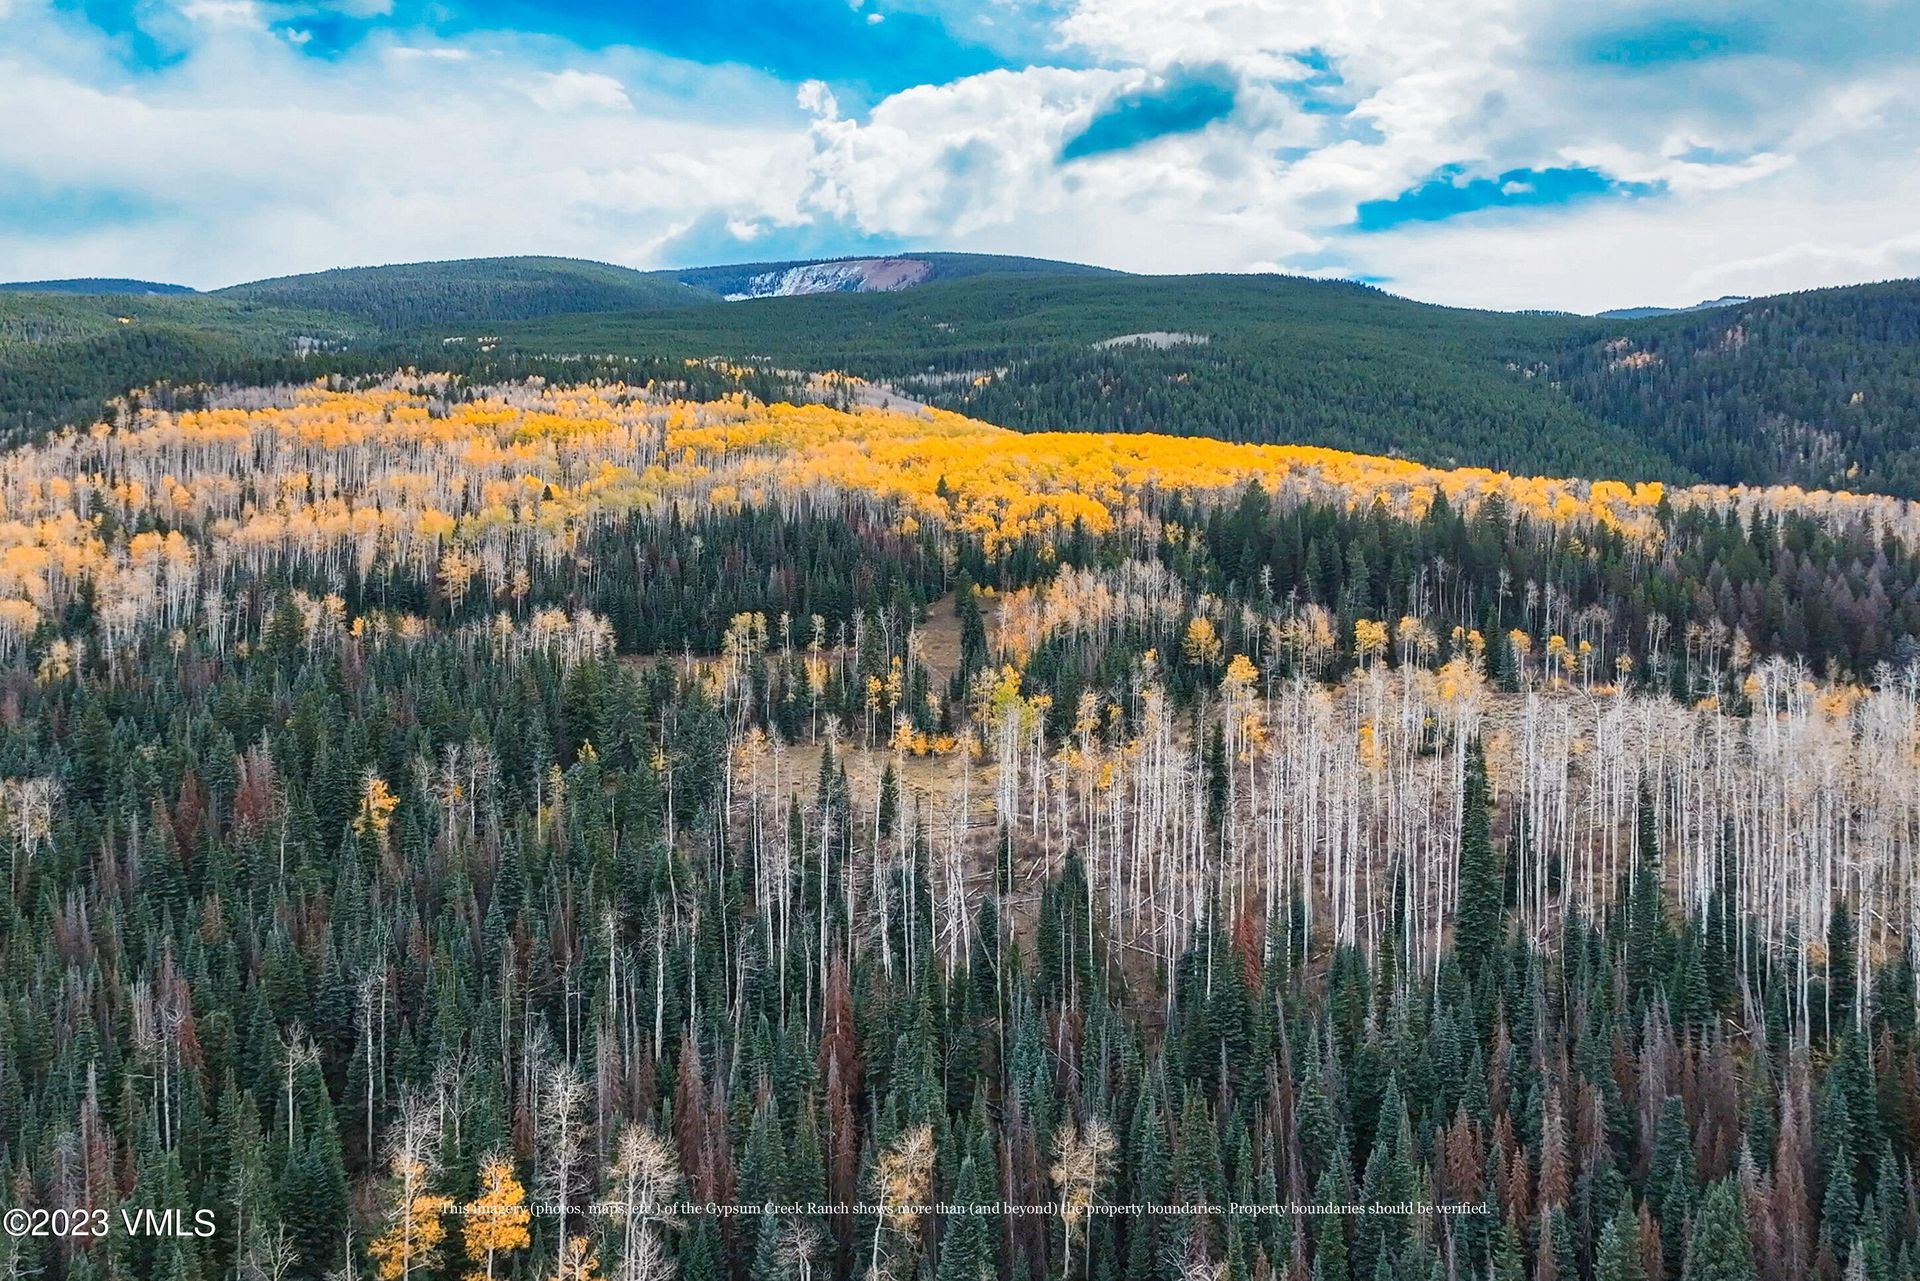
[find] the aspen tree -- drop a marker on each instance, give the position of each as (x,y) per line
(415,1232)
(494,1224)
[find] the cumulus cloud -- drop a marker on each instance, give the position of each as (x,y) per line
(1492,152)
(249,158)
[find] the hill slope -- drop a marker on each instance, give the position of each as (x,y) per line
(1815,389)
(1283,359)
(63,355)
(1820,389)
(469,291)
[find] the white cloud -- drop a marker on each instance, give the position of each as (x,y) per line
(572,90)
(248,157)
(237,13)
(816,99)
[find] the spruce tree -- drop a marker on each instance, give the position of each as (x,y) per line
(1476,931)
(1718,1248)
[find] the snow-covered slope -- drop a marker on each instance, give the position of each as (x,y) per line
(853,276)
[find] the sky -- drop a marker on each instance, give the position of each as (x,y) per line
(1488,153)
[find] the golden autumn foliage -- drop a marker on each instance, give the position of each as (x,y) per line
(466,489)
(413,1242)
(1201,645)
(377,803)
(495,1223)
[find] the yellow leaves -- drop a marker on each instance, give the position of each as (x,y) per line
(1369,639)
(414,1240)
(1560,659)
(495,1222)
(1458,680)
(434,524)
(1201,645)
(377,803)
(1371,755)
(456,572)
(466,490)
(1240,678)
(1835,701)
(911,742)
(18,618)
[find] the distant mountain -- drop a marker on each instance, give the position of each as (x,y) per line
(483,291)
(470,291)
(1642,313)
(94,285)
(886,274)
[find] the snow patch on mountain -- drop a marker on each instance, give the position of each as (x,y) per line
(1159,339)
(854,276)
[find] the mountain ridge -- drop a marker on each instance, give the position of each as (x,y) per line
(1643,313)
(96,285)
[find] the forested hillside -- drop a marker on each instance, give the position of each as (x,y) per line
(1281,359)
(1819,388)
(448,294)
(1811,389)
(560,830)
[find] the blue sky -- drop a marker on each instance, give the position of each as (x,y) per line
(1509,153)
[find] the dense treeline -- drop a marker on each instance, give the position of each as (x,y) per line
(80,378)
(1256,887)
(332,938)
(1787,584)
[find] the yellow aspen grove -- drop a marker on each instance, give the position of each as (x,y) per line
(494,1224)
(466,491)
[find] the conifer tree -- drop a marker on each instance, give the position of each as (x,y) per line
(1476,930)
(1718,1248)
